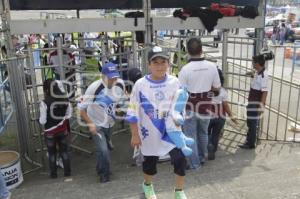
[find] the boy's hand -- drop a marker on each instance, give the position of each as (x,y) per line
(92,128)
(250,74)
(135,141)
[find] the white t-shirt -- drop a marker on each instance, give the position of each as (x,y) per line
(100,108)
(199,76)
(222,97)
(150,103)
(260,82)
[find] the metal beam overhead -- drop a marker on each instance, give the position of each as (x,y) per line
(124,24)
(170,23)
(75,25)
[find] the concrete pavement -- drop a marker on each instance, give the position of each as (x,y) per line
(272,170)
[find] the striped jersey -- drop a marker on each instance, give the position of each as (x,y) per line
(150,103)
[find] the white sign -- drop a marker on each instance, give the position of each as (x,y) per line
(12,175)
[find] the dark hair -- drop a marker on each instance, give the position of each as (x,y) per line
(47,86)
(52,90)
(134,74)
(259,59)
(3,49)
(46,45)
(194,46)
(221,76)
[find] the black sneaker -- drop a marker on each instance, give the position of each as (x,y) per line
(211,155)
(246,146)
(53,175)
(211,152)
(104,178)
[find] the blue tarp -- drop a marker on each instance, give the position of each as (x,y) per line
(116,4)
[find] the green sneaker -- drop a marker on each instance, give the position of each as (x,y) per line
(149,191)
(180,195)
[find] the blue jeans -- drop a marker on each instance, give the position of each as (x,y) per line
(252,123)
(196,127)
(3,189)
(102,152)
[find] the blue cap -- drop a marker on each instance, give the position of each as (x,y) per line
(110,70)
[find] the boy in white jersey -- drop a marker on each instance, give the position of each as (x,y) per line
(150,103)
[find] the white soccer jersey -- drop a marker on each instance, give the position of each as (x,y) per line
(100,108)
(150,103)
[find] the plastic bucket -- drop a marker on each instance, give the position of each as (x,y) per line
(11,168)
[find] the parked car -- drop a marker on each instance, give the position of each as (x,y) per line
(250,32)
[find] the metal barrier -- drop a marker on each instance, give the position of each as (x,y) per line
(31,135)
(283,98)
(280,121)
(28,96)
(6,109)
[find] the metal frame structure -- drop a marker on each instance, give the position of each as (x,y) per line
(148,24)
(45,26)
(17,87)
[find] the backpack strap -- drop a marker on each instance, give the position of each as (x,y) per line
(98,90)
(101,87)
(118,84)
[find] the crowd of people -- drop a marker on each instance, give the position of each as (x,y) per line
(147,103)
(281,33)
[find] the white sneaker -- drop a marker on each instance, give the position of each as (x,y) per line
(59,163)
(164,158)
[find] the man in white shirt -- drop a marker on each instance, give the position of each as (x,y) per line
(201,79)
(97,109)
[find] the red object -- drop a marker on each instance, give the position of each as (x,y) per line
(186,13)
(64,127)
(227,11)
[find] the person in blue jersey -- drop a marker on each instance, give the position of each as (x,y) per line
(97,109)
(149,105)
